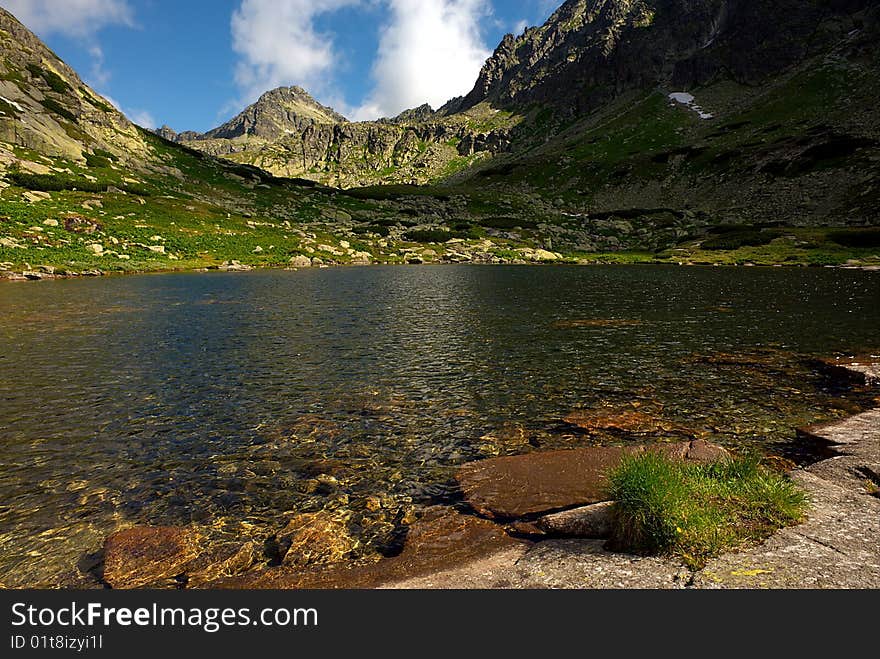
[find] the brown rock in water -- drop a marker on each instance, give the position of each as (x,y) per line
(316,539)
(624,421)
(593,522)
(147,556)
(441,540)
(519,486)
(514,487)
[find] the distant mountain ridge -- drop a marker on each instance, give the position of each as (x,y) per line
(590,51)
(587,54)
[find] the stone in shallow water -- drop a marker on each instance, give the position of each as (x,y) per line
(441,540)
(629,421)
(864,369)
(314,539)
(520,486)
(144,556)
(225,561)
(513,487)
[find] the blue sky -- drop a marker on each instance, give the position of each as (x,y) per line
(192,64)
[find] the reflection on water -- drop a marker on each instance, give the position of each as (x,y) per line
(234,401)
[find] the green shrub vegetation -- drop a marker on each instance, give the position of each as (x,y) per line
(695,511)
(54,106)
(94,101)
(53,182)
(428,236)
(56,83)
(101,153)
(94,161)
(736,239)
(507,223)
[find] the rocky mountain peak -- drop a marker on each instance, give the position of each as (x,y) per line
(277,113)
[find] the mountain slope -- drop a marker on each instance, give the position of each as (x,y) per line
(289,134)
(45,106)
(793,140)
(768,171)
(591,51)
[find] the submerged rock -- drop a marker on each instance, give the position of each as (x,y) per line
(443,539)
(315,539)
(145,556)
(225,561)
(629,421)
(520,486)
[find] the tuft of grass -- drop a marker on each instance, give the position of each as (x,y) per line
(695,511)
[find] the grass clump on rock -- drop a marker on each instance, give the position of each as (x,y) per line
(697,511)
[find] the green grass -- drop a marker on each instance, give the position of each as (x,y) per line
(696,512)
(53,182)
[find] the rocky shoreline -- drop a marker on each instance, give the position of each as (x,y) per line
(541,520)
(48,273)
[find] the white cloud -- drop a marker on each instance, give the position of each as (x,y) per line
(98,75)
(142,118)
(429,52)
(280,45)
(74,18)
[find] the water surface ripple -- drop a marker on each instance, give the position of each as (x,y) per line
(232,400)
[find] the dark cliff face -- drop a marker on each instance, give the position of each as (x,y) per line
(592,50)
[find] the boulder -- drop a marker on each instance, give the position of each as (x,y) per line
(515,487)
(301,262)
(525,485)
(593,522)
(862,369)
(34,196)
(145,556)
(95,248)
